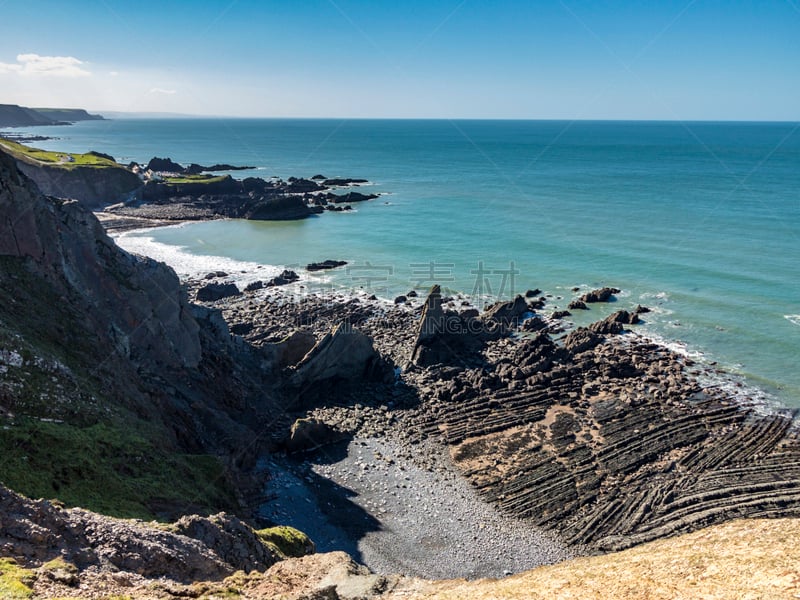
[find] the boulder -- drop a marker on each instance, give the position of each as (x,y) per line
(400,300)
(577,305)
(309,434)
(211,292)
(344,353)
(232,540)
(287,276)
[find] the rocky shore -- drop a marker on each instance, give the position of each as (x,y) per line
(598,435)
(174,193)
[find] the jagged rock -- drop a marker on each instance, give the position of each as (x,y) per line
(509,313)
(301,186)
(581,340)
(534,323)
(577,305)
(601,295)
(344,353)
(614,323)
(211,292)
(560,314)
(166,165)
(286,277)
(232,540)
(318,177)
(445,336)
(36,531)
(641,309)
(294,347)
(533,293)
(254,286)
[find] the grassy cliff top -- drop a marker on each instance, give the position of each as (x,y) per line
(201,178)
(65,160)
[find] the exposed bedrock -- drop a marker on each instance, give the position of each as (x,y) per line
(606,438)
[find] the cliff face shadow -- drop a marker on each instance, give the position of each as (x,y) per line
(316,505)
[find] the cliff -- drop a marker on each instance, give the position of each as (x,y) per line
(117,394)
(13,115)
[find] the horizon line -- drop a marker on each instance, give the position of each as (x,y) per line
(169,115)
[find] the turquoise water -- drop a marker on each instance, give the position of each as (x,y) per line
(699,221)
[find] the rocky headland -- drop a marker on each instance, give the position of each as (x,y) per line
(425,437)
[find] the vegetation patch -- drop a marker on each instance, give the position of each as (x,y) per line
(186,179)
(108,468)
(15,582)
(66,160)
(287,541)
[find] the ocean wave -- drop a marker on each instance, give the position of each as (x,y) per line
(187,264)
(793,319)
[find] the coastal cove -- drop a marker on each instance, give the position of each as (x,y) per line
(697,221)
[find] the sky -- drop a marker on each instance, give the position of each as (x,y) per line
(516,59)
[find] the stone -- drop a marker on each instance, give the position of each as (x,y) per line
(326,264)
(310,434)
(507,313)
(254,286)
(343,353)
(212,292)
(601,295)
(577,305)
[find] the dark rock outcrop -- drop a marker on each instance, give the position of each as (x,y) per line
(326,264)
(345,353)
(508,313)
(211,292)
(164,165)
(601,295)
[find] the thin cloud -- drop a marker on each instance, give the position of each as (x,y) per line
(162,91)
(34,65)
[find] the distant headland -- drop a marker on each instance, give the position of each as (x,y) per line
(13,115)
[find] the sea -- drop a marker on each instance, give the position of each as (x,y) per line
(699,221)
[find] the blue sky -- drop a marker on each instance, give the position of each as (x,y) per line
(570,59)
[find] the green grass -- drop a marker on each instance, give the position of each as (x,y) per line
(15,582)
(108,468)
(288,541)
(66,160)
(99,448)
(184,179)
